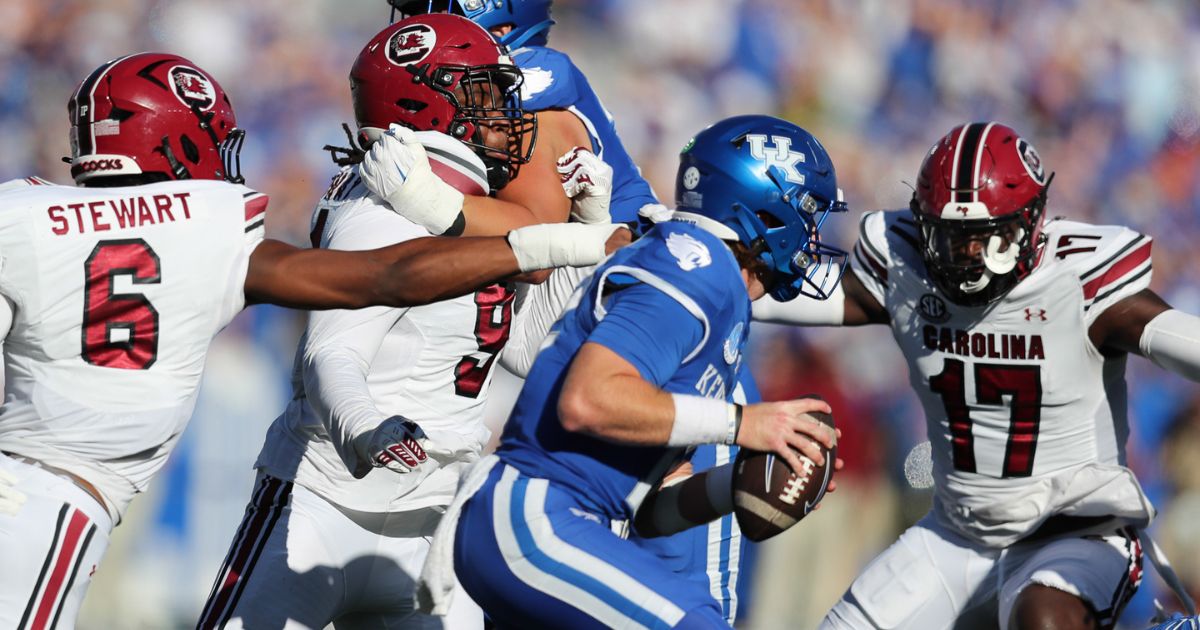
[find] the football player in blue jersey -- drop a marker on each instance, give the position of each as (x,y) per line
(641,367)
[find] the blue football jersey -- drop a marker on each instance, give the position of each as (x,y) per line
(552,81)
(695,271)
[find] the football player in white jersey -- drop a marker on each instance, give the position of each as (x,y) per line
(110,294)
(1016,331)
(333,534)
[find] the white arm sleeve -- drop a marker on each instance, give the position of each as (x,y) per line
(803,311)
(339,346)
(6,320)
(538,307)
(1172,342)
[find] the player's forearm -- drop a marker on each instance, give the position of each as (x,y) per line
(1172,341)
(695,500)
(618,408)
(487,216)
(335,385)
(435,269)
(411,273)
(849,304)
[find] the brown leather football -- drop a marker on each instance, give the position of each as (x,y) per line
(769,498)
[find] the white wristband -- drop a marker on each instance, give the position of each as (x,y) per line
(700,420)
(550,245)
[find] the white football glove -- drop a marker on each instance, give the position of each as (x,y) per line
(397,444)
(11,499)
(587,180)
(396,168)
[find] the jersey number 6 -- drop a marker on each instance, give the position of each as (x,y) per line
(120,330)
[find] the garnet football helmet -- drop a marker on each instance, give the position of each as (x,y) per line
(980,204)
(529,19)
(152,117)
(768,184)
(445,73)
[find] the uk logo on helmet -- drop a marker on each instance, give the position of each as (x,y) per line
(780,155)
(191,87)
(411,44)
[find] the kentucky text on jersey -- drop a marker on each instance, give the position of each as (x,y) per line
(983,345)
(119,214)
(711,385)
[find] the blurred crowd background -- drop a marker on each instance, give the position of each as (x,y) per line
(1108,90)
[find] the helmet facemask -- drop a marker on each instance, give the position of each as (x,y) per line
(975,262)
(229,149)
(814,268)
(488,115)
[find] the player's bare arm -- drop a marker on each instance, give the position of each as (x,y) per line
(538,187)
(605,396)
(1144,324)
(861,307)
(850,304)
(420,271)
(397,169)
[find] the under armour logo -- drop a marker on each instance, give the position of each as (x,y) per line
(1039,313)
(780,155)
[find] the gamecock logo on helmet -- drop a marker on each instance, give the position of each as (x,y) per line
(1032,161)
(192,87)
(411,44)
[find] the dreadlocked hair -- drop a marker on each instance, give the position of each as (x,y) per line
(347,156)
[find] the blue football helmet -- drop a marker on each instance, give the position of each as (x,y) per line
(769,185)
(530,19)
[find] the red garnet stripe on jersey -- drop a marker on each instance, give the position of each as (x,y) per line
(255,206)
(67,558)
(1130,262)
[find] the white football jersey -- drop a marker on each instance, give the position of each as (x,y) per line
(117,293)
(431,364)
(1026,416)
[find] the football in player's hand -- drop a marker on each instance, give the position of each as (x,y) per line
(769,498)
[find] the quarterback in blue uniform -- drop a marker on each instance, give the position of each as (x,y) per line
(641,367)
(708,554)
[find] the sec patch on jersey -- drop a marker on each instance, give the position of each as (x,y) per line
(768,497)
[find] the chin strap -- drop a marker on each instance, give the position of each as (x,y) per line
(178,170)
